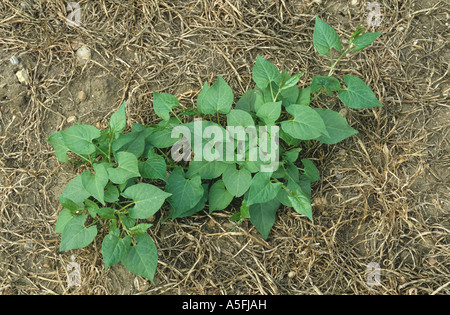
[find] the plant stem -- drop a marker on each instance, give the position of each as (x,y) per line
(176,116)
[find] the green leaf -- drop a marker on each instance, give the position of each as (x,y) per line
(57,141)
(78,138)
(219,196)
(142,258)
(269,112)
(329,83)
(207,169)
(111,193)
(118,120)
(265,72)
(95,183)
(140,229)
(237,181)
(300,202)
(304,97)
(154,167)
(127,168)
(164,103)
(216,99)
(132,142)
(357,94)
(365,40)
(291,82)
(310,170)
(262,189)
(76,235)
(63,217)
(247,101)
(306,123)
(292,155)
(238,117)
(186,193)
(106,213)
(75,190)
(337,127)
(114,248)
(325,37)
(91,207)
(263,215)
(147,198)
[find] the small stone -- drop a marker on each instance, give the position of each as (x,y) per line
(83,55)
(318,1)
(46,265)
(71,119)
(291,274)
(355,2)
(22,76)
(81,96)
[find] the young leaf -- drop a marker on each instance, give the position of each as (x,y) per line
(118,120)
(219,197)
(304,97)
(357,94)
(269,112)
(164,103)
(76,235)
(154,167)
(147,198)
(142,258)
(114,248)
(91,207)
(291,82)
(265,72)
(365,40)
(57,141)
(310,170)
(106,213)
(263,215)
(78,138)
(247,101)
(238,117)
(218,98)
(75,190)
(95,183)
(329,83)
(186,193)
(262,189)
(63,217)
(111,193)
(300,202)
(325,37)
(237,181)
(336,125)
(207,169)
(305,125)
(127,168)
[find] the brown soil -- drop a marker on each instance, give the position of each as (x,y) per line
(383,196)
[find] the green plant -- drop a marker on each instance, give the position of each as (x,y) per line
(120,189)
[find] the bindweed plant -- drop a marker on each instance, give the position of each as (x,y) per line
(249,153)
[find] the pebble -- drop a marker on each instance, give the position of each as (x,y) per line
(81,96)
(83,55)
(71,119)
(22,76)
(355,2)
(291,274)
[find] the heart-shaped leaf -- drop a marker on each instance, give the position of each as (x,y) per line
(147,199)
(78,138)
(76,235)
(95,183)
(127,168)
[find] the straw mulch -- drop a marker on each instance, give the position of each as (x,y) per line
(383,196)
